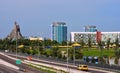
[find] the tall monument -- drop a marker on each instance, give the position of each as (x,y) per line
(15,32)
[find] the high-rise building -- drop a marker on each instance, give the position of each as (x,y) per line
(90,29)
(59,31)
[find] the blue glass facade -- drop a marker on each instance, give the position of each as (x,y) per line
(90,29)
(59,31)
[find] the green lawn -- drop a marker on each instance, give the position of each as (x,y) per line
(96,52)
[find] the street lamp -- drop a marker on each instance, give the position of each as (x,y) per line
(16,43)
(67,57)
(38,50)
(74,55)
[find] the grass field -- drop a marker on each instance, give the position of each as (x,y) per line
(96,52)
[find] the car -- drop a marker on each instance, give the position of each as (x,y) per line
(83,67)
(6,51)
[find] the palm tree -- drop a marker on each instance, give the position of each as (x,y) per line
(54,43)
(117,53)
(108,43)
(70,53)
(89,41)
(82,43)
(64,43)
(47,42)
(55,52)
(116,43)
(78,54)
(100,45)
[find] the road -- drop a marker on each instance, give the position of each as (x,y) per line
(24,66)
(5,69)
(61,65)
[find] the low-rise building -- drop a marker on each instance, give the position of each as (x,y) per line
(36,38)
(77,36)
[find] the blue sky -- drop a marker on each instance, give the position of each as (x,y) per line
(35,16)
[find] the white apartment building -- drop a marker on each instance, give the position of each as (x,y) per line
(77,36)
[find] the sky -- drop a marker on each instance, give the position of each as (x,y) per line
(36,16)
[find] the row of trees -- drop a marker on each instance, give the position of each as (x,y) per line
(4,43)
(39,47)
(100,44)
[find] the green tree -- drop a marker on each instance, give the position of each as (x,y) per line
(47,42)
(25,42)
(23,50)
(117,53)
(48,52)
(82,43)
(100,44)
(78,54)
(55,52)
(40,47)
(116,43)
(28,51)
(59,54)
(70,53)
(64,43)
(55,43)
(35,51)
(5,43)
(108,43)
(89,41)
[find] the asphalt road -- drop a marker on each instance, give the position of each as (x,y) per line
(24,66)
(5,69)
(51,63)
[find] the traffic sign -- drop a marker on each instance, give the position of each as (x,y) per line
(18,61)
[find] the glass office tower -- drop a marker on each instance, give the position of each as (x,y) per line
(59,31)
(90,29)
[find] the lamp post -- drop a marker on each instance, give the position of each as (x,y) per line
(74,55)
(38,51)
(16,43)
(67,57)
